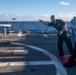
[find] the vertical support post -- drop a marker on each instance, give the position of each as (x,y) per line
(25,27)
(4,34)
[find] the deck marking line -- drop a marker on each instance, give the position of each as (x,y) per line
(45,35)
(20,51)
(25,63)
(60,70)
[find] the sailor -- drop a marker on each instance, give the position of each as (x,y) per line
(62,33)
(73,24)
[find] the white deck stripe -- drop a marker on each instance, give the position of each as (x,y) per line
(45,35)
(25,63)
(42,34)
(11,57)
(59,67)
(20,51)
(60,70)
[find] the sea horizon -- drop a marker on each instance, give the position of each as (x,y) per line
(32,26)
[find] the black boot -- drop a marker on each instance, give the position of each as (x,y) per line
(70,62)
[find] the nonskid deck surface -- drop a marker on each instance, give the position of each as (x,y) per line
(31,54)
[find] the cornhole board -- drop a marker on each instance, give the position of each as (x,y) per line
(64,59)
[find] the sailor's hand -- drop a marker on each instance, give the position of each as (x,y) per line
(40,20)
(60,32)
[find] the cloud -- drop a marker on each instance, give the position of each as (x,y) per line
(66,17)
(24,17)
(64,3)
(35,17)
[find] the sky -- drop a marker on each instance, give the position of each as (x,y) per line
(32,10)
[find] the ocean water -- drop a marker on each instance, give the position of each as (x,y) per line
(32,26)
